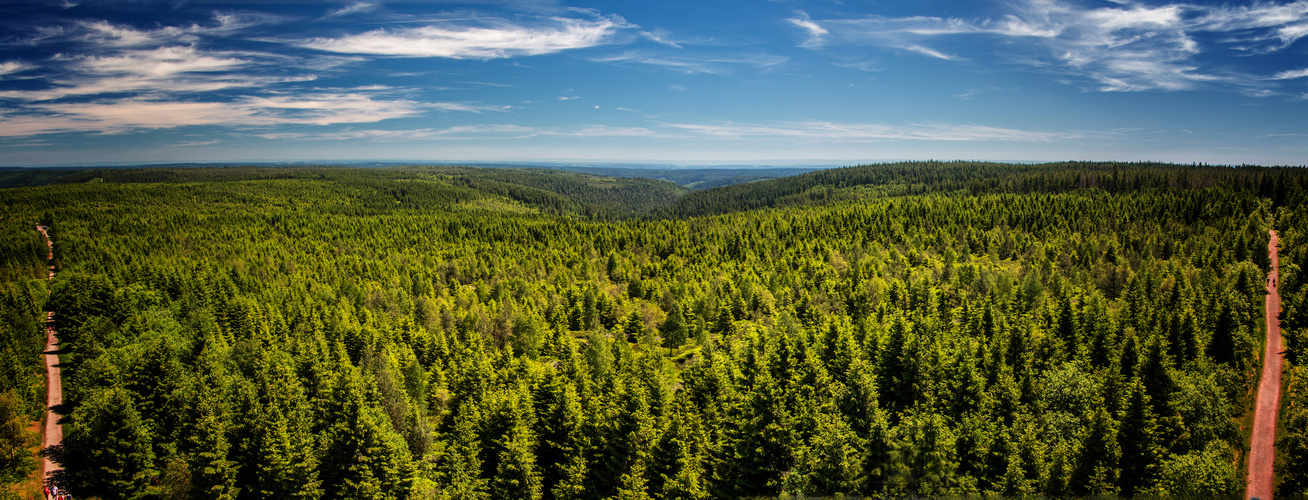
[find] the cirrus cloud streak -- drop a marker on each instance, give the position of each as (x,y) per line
(826,131)
(805,132)
(129,80)
(493,39)
(1127,47)
(121,116)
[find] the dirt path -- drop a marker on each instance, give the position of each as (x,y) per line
(1262,453)
(53,433)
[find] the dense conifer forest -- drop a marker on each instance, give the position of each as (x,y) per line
(926,329)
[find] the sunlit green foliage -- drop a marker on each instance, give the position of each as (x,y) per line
(400,334)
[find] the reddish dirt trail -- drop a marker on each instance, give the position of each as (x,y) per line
(1262,452)
(53,433)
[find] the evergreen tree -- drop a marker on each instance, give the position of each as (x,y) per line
(641,435)
(1096,471)
(1068,328)
(15,459)
(897,378)
(561,452)
(680,455)
(674,330)
(724,324)
(459,471)
(214,474)
(1188,337)
(834,458)
(1139,442)
(364,456)
(1200,473)
(1293,442)
(880,455)
(108,449)
(930,450)
(1222,346)
(634,327)
(765,445)
(516,475)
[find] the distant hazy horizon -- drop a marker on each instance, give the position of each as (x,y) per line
(814,164)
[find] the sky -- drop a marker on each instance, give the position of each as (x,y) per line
(694,82)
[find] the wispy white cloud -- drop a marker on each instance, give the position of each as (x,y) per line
(104,34)
(928,51)
(1291,74)
(1124,47)
(473,133)
(969,95)
(382,135)
(353,8)
(119,116)
(135,84)
(1270,26)
(692,63)
(326,109)
(464,107)
(807,132)
(823,131)
(660,37)
(161,62)
(11,67)
(163,70)
(1135,17)
(868,66)
(881,29)
(110,58)
(817,35)
(192,144)
(488,39)
(165,78)
(1127,48)
(1290,34)
(488,84)
(612,131)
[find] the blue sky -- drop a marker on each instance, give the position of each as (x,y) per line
(672,81)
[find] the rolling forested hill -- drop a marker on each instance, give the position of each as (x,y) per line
(552,191)
(891,330)
(688,177)
(962,177)
(698,178)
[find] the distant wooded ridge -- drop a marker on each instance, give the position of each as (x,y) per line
(655,192)
(693,177)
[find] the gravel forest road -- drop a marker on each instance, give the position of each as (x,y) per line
(53,433)
(1262,452)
